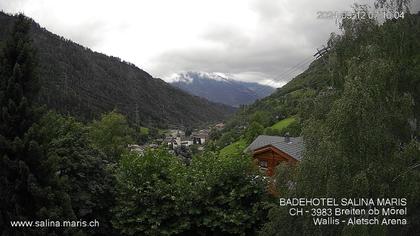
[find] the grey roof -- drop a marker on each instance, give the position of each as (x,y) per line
(294,148)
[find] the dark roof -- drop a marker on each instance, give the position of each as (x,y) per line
(294,148)
(200,136)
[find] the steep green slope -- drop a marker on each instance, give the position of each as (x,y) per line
(234,148)
(283,123)
(276,110)
(83,83)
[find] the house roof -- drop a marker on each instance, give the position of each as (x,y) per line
(294,147)
(169,139)
(200,136)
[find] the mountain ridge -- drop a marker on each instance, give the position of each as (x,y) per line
(78,81)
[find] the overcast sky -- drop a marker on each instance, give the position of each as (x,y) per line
(252,40)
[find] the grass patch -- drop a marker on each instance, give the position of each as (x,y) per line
(279,126)
(234,148)
(144,130)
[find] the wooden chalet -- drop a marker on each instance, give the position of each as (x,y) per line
(269,151)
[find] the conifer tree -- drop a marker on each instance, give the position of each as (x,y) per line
(29,187)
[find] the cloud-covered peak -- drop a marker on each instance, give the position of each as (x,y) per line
(220,87)
(190,76)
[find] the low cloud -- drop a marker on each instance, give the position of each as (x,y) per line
(265,41)
(284,34)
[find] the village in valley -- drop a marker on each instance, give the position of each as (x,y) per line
(179,141)
(267,151)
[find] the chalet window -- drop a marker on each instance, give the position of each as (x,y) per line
(263,164)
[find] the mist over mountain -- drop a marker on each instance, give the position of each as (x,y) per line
(80,82)
(220,88)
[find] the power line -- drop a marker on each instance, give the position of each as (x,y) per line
(294,68)
(320,53)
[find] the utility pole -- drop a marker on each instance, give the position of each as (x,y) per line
(136,113)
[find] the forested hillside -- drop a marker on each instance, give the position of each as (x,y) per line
(83,83)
